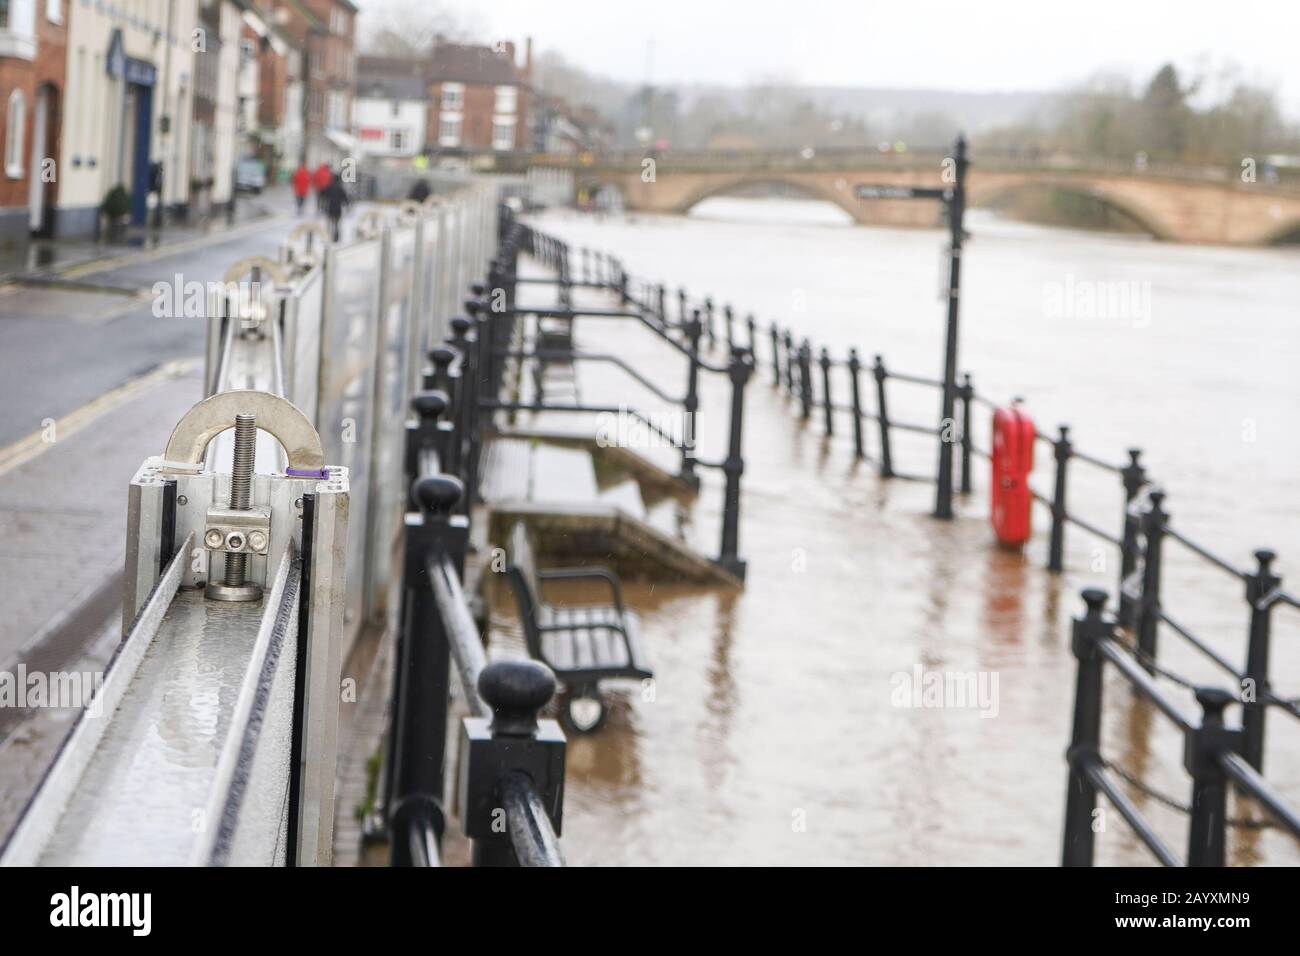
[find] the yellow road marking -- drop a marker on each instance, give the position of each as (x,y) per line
(25,449)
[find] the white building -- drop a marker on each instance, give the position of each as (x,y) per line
(391,108)
(129,95)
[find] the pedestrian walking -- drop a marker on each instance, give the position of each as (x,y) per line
(335,199)
(320,181)
(301,185)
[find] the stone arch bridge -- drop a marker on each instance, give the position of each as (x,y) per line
(1175,203)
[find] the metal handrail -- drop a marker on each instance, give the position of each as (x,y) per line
(1252,781)
(1095,769)
(559,355)
(462,633)
(1205,553)
(1143,682)
(531,834)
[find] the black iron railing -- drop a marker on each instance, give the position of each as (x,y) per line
(500,339)
(1214,754)
(509,759)
(808,376)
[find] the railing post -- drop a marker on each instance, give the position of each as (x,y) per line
(882,417)
(1085,740)
(776,356)
(752,327)
(1153,532)
(682,317)
(789,361)
(1056,544)
(805,380)
(708,324)
(825,362)
(1134,477)
(438,376)
(1206,837)
(661,298)
(854,368)
(425,433)
(1258,587)
(466,401)
(739,370)
(691,404)
(418,738)
(967,395)
(729,318)
(514,741)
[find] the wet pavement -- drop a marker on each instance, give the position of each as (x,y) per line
(787,722)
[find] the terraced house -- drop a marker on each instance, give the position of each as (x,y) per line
(325,32)
(126,112)
(33,37)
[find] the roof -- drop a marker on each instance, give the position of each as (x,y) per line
(465,63)
(392,78)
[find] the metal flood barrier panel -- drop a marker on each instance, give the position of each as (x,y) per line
(392,391)
(345,406)
(259,542)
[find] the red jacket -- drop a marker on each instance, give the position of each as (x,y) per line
(322,177)
(301,181)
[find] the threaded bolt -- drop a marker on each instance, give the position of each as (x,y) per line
(241,488)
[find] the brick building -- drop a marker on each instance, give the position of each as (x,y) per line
(478,98)
(325,32)
(33,57)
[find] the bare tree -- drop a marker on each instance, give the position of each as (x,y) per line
(409,27)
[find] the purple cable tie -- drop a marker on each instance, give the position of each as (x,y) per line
(306,472)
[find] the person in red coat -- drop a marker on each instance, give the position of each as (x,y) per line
(320,181)
(301,185)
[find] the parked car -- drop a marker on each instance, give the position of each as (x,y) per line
(250,176)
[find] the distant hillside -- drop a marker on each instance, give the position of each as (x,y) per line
(975,111)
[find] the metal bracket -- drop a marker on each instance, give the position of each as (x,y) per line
(280,417)
(232,531)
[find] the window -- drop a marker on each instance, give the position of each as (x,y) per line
(449,130)
(397,107)
(503,133)
(453,96)
(53,10)
(507,99)
(15,125)
(397,139)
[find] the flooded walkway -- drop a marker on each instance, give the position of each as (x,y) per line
(785,724)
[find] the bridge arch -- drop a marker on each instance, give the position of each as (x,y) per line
(984,194)
(808,188)
(1287,234)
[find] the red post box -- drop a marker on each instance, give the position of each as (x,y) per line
(1013,459)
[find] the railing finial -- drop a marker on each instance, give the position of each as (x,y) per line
(437,494)
(516,690)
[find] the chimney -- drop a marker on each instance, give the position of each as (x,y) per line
(528,58)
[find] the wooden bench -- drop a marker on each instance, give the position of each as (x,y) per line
(583,645)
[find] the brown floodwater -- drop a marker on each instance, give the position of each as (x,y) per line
(782,727)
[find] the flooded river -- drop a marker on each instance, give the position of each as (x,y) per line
(785,724)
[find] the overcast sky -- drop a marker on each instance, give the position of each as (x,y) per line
(979,46)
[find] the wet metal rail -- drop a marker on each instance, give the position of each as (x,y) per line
(809,376)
